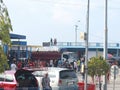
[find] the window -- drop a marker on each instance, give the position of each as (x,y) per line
(1,77)
(9,78)
(67,74)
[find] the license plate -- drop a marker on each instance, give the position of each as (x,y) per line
(70,83)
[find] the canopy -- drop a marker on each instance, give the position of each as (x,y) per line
(46,55)
(16,36)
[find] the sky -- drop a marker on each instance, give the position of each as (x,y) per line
(41,20)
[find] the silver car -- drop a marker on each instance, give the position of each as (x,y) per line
(60,78)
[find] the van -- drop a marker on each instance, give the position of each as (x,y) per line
(60,78)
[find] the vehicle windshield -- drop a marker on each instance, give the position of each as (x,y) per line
(67,74)
(1,77)
(7,78)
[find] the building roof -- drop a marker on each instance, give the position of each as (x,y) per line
(16,36)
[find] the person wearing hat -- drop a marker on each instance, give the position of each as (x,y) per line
(46,82)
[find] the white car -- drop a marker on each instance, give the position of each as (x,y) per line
(60,78)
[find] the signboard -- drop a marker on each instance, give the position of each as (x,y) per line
(83,36)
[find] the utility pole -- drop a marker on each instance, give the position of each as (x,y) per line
(105,44)
(86,46)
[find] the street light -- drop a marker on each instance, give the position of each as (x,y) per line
(76,28)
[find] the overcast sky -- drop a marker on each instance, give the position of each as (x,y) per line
(41,20)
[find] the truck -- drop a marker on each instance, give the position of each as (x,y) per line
(70,56)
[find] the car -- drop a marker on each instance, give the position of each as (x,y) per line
(7,80)
(18,80)
(26,80)
(60,78)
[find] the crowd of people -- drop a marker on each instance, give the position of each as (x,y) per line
(76,64)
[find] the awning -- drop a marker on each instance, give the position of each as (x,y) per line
(46,55)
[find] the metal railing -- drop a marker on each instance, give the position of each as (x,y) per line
(91,44)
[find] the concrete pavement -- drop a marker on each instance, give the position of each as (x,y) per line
(112,85)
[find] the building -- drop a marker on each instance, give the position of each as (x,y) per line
(94,48)
(20,49)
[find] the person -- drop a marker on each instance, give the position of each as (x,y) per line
(19,64)
(51,63)
(82,70)
(13,66)
(66,63)
(46,82)
(55,41)
(51,41)
(78,65)
(60,63)
(75,65)
(55,63)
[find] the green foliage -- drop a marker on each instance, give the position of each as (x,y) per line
(97,66)
(5,28)
(3,61)
(5,25)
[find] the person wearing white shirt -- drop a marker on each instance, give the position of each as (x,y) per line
(13,66)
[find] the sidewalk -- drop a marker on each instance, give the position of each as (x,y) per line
(112,85)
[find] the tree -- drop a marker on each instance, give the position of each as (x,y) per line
(5,28)
(97,66)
